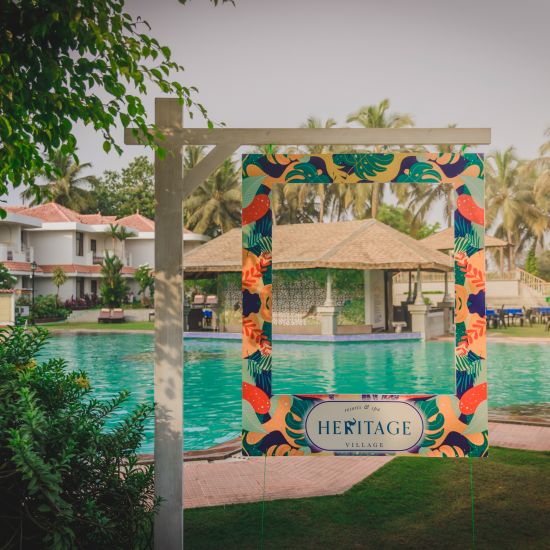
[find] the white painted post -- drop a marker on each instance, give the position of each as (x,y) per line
(446,297)
(419,298)
(169,333)
(328,296)
(328,312)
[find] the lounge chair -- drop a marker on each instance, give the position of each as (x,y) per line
(212,300)
(198,300)
(104,316)
(117,315)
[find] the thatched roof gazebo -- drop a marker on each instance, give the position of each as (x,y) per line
(444,242)
(364,244)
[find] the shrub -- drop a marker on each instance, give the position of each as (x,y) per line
(114,288)
(146,280)
(88,301)
(48,306)
(353,312)
(67,480)
(7,280)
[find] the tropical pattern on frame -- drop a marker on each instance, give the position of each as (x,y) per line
(453,425)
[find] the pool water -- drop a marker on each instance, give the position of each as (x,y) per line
(518,374)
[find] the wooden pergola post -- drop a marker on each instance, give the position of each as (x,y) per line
(169,332)
(171,187)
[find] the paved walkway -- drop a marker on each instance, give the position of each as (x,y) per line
(241,480)
(519,436)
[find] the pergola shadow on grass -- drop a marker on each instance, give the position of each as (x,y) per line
(409,503)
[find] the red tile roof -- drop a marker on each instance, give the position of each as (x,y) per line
(20,266)
(76,268)
(53,212)
(68,268)
(6,291)
(137,222)
(96,219)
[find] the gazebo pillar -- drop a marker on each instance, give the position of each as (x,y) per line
(419,310)
(328,312)
(447,305)
(419,300)
(446,297)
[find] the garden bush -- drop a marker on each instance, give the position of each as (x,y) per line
(88,301)
(48,307)
(68,477)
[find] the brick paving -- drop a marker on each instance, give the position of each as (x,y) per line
(240,480)
(519,436)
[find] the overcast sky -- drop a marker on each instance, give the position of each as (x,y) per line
(266,63)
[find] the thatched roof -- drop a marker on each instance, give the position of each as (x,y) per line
(365,244)
(444,240)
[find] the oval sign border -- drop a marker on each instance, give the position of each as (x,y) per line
(351,451)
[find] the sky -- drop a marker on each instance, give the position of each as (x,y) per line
(265,63)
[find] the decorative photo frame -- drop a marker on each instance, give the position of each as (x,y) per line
(453,425)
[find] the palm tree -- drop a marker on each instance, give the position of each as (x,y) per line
(66,186)
(59,278)
(378,116)
(421,198)
(123,233)
(538,172)
(112,232)
(215,206)
(505,200)
(319,190)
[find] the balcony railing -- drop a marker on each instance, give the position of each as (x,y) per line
(8,253)
(536,283)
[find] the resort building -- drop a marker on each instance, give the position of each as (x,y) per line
(506,284)
(51,235)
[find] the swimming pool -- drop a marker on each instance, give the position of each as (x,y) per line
(518,373)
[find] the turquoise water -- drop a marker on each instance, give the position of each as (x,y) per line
(518,373)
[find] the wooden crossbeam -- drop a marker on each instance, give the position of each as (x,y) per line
(318,136)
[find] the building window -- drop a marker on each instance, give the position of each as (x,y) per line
(94,287)
(80,287)
(79,244)
(93,246)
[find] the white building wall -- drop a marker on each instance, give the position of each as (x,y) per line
(44,285)
(142,251)
(53,247)
(10,235)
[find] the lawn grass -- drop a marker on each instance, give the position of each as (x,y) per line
(409,503)
(131,325)
(536,331)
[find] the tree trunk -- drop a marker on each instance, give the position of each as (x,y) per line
(511,258)
(450,205)
(375,200)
